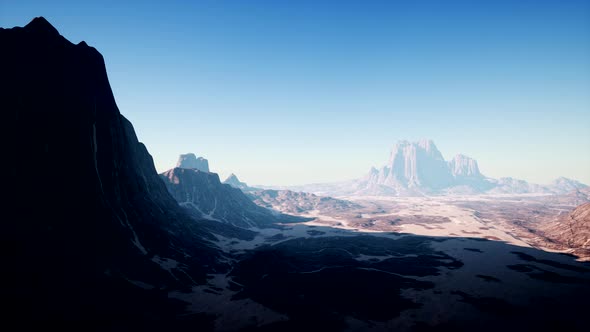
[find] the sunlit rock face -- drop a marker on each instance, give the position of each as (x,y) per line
(418,168)
(572,230)
(463,166)
(412,168)
(191,161)
(418,164)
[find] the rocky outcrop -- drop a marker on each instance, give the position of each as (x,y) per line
(90,232)
(191,161)
(572,231)
(288,201)
(464,167)
(206,197)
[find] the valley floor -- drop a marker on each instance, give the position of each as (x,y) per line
(407,264)
(513,219)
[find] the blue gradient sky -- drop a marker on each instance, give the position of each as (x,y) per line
(293,92)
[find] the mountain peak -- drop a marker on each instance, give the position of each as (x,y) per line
(564,184)
(191,161)
(40,24)
(427,144)
(233,180)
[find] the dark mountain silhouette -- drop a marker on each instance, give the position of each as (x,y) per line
(88,223)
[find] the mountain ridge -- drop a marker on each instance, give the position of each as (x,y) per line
(96,226)
(419,169)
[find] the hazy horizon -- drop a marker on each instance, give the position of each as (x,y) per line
(299,93)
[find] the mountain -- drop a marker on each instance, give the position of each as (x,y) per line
(509,185)
(418,169)
(90,234)
(233,181)
(206,197)
(191,161)
(288,201)
(467,179)
(564,185)
(415,165)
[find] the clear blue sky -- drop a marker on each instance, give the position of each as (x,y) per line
(293,92)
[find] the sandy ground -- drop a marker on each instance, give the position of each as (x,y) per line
(462,222)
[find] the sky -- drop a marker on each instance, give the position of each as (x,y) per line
(296,92)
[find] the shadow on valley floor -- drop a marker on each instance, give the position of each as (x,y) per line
(336,280)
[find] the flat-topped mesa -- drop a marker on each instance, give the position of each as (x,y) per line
(191,161)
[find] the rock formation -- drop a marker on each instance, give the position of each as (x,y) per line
(191,161)
(206,197)
(90,232)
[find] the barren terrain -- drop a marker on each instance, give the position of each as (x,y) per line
(514,219)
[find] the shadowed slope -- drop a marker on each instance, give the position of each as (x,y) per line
(88,219)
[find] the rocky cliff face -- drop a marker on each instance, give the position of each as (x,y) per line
(191,161)
(464,167)
(415,165)
(204,195)
(89,225)
(418,168)
(572,231)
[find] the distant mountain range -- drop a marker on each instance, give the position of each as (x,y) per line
(418,168)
